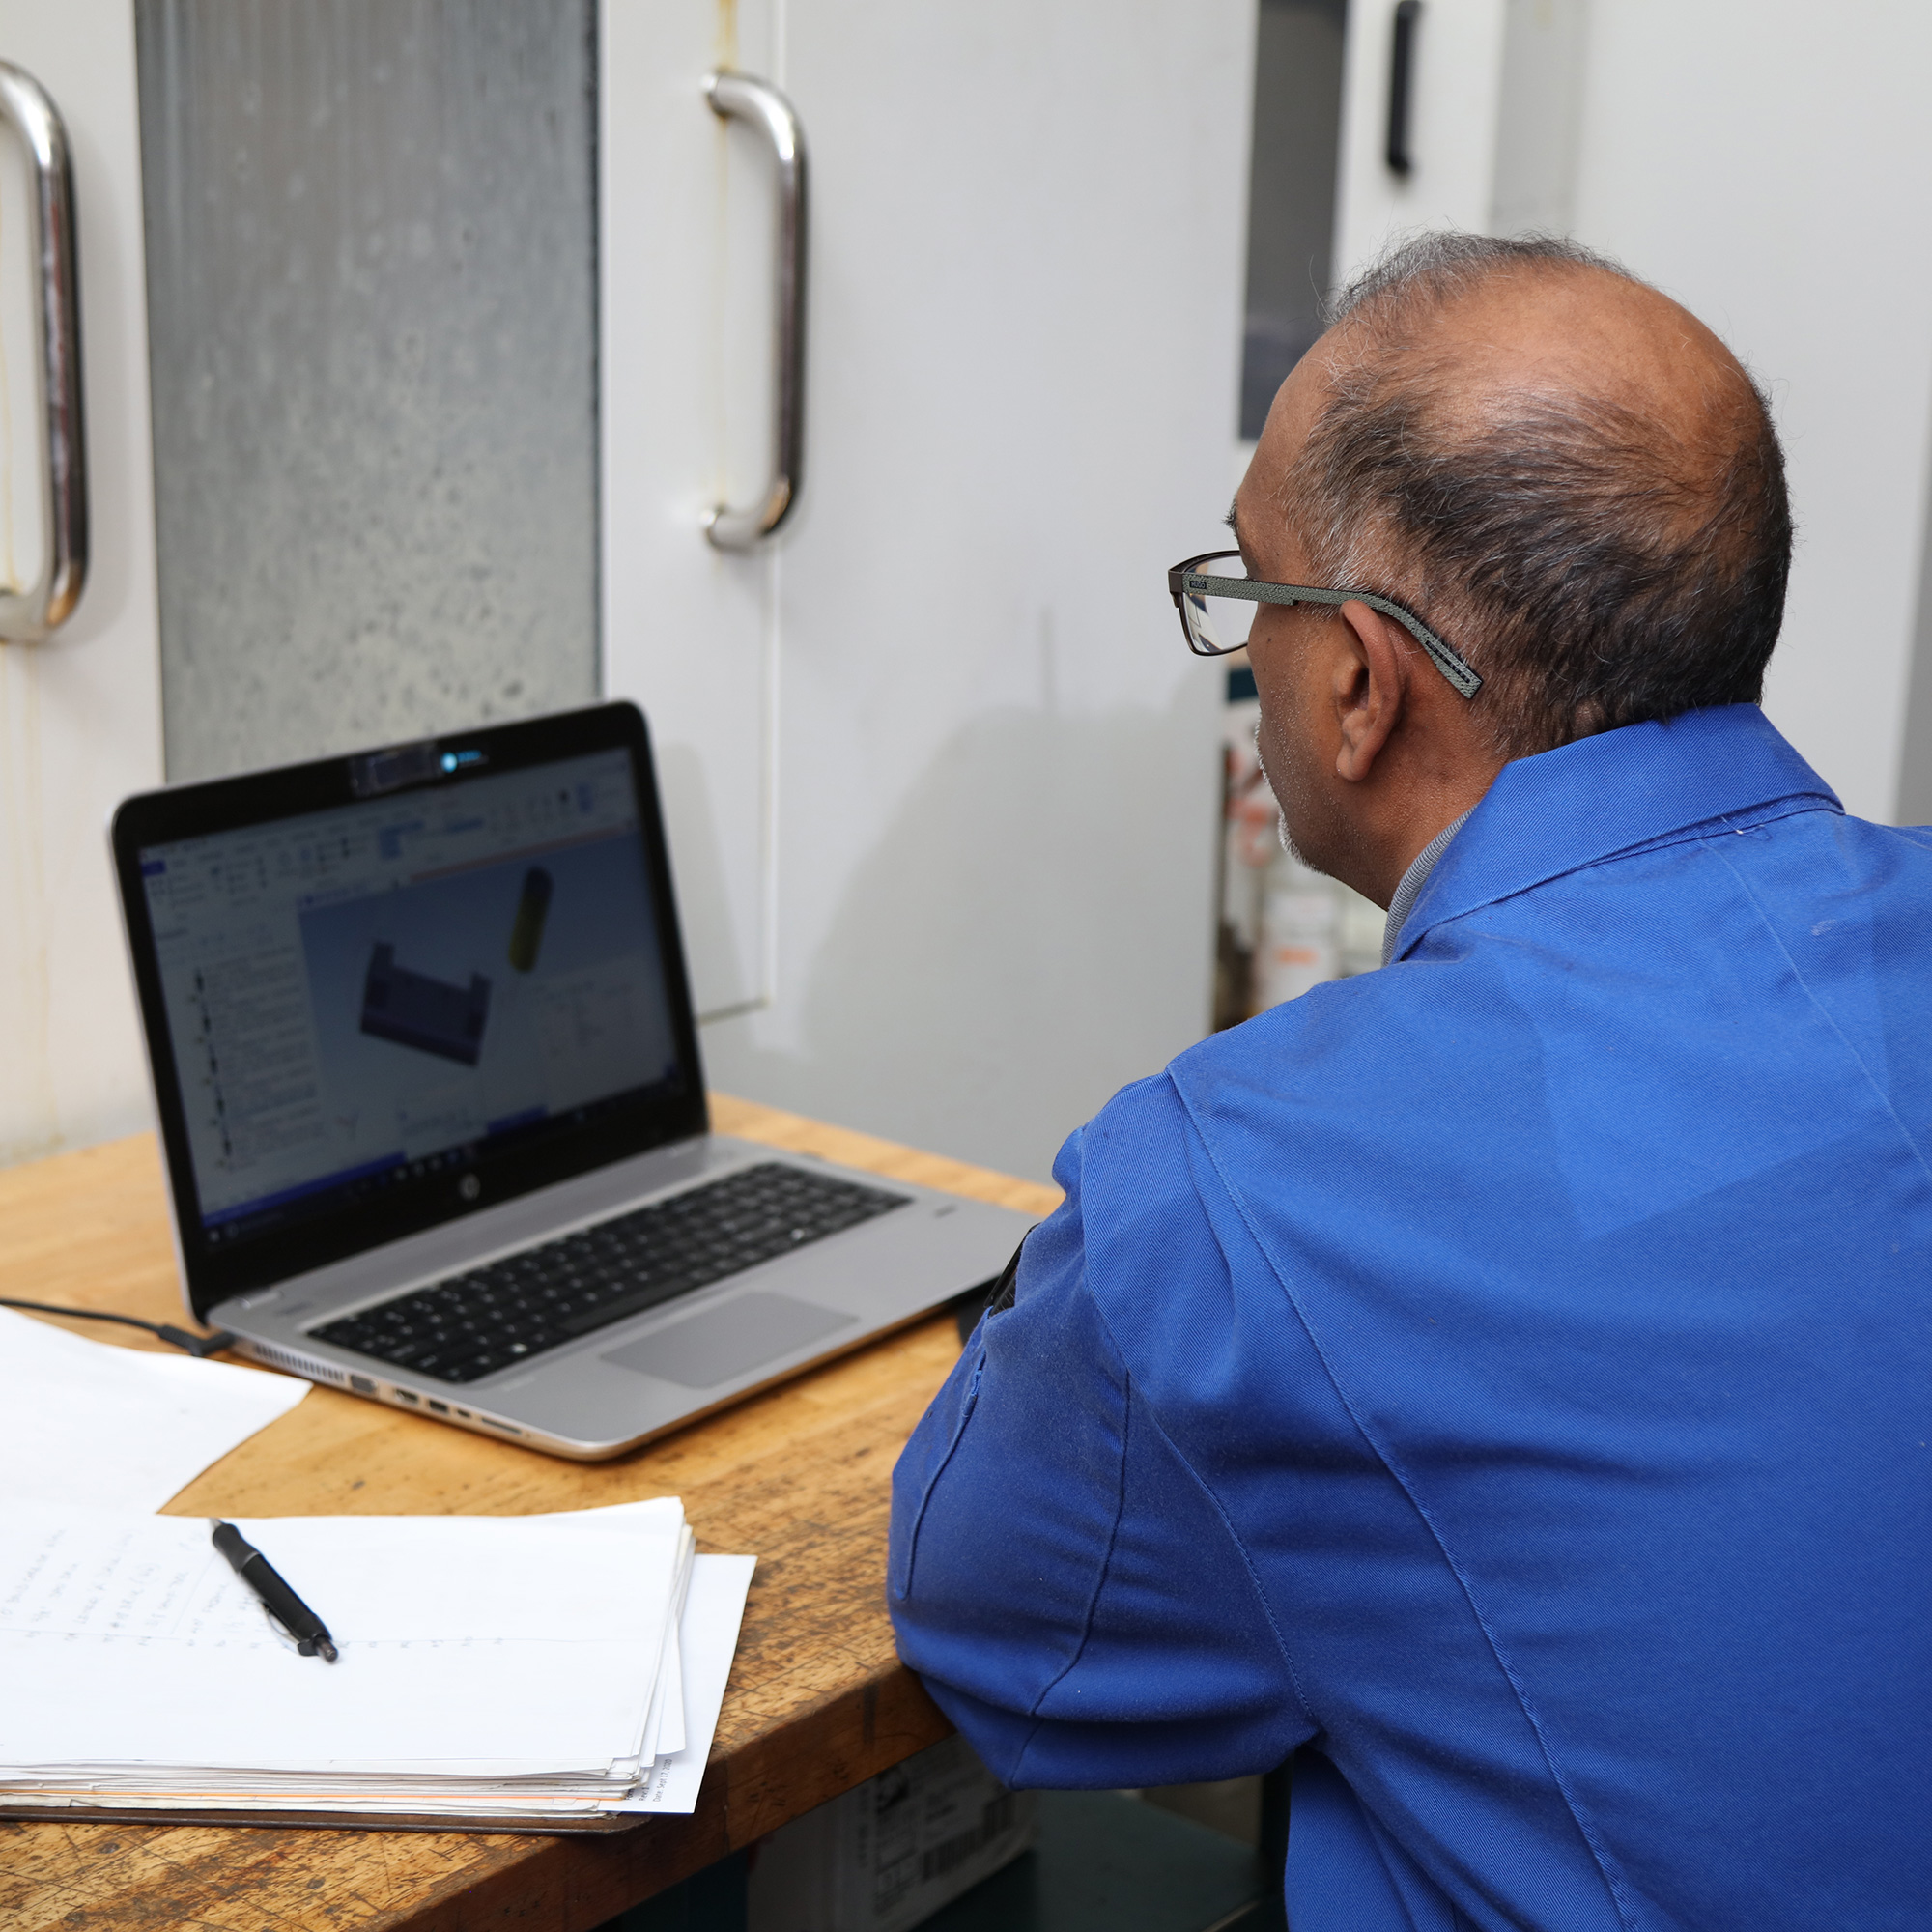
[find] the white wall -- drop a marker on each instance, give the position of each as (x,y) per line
(80,717)
(1766,162)
(1768,166)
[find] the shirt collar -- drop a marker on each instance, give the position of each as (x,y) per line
(1584,802)
(1412,882)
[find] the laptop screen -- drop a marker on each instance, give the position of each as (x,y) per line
(405,999)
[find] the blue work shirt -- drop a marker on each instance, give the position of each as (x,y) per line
(1508,1371)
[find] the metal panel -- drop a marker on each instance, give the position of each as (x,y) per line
(371,234)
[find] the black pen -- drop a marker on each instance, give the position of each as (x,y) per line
(312,1639)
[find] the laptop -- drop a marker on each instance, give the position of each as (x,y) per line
(430,1097)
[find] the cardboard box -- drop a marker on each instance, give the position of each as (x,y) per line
(887,1855)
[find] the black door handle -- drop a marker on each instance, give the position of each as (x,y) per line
(1402,65)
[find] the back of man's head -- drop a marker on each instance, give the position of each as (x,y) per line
(1564,473)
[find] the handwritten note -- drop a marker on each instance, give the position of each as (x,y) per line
(496,1646)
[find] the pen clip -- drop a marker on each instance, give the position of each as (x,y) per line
(284,1635)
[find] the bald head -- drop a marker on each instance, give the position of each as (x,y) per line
(1564,473)
(1545,314)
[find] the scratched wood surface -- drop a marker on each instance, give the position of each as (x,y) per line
(799,1477)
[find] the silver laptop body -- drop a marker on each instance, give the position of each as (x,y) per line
(419,1020)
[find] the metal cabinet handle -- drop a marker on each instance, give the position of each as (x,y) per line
(1402,68)
(737,97)
(32,615)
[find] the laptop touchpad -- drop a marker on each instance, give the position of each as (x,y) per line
(731,1341)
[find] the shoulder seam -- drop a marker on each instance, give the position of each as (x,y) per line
(1106,1562)
(1207,1489)
(1699,834)
(1201,1482)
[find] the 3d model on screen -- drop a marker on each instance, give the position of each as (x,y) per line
(431,1015)
(528,930)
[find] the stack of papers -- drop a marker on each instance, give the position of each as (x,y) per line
(85,1422)
(554,1672)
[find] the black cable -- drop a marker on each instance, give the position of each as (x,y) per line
(197,1346)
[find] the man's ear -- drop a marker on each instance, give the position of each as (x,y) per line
(1370,689)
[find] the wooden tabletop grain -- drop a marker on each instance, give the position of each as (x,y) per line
(798,1477)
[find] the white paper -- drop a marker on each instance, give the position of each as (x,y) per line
(664,1728)
(714,1607)
(106,1428)
(491,1667)
(477,1645)
(665,1736)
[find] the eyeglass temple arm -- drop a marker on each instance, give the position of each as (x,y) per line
(1182,582)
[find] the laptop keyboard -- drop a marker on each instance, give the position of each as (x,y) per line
(471,1324)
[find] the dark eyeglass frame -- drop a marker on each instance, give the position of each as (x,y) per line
(1188,579)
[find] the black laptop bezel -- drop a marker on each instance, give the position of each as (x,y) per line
(484,1177)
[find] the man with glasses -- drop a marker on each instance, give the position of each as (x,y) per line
(1503,1381)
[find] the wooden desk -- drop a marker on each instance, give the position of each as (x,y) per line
(799,1477)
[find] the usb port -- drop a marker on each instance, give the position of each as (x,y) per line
(408,1395)
(440,1407)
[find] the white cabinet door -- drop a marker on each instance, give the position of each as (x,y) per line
(942,775)
(685,209)
(1496,95)
(79,714)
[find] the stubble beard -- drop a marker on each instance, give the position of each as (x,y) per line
(1282,832)
(1287,844)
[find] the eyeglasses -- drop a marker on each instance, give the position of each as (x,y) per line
(1218,610)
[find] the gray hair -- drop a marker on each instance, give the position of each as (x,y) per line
(1596,565)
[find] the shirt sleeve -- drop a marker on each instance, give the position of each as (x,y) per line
(1067,1588)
